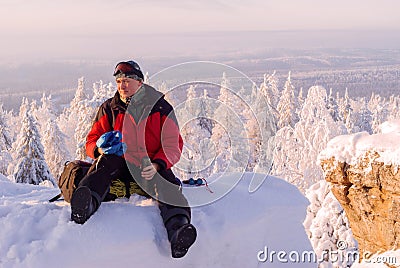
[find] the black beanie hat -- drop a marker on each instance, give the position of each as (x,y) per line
(128,69)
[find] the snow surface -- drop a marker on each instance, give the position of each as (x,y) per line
(231,231)
(348,148)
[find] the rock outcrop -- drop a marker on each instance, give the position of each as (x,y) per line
(369,192)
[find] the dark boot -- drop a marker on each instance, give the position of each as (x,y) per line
(83,205)
(181,234)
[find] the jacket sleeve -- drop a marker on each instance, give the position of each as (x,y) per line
(171,142)
(100,126)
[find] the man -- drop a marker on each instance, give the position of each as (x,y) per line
(149,129)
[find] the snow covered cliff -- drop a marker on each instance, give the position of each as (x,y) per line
(364,173)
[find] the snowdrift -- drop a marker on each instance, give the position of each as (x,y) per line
(231,231)
(350,148)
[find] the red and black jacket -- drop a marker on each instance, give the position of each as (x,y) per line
(154,133)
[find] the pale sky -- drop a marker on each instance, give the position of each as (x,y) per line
(73,29)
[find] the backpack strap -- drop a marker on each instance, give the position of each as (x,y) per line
(55,198)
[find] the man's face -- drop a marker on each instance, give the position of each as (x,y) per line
(127,86)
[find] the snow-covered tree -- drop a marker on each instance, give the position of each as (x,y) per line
(394,104)
(220,138)
(56,154)
(254,93)
(5,142)
(34,108)
(380,111)
(44,112)
(68,120)
(30,165)
(190,130)
(267,102)
(48,106)
(191,103)
(146,78)
(300,100)
(17,120)
(111,89)
(87,113)
(224,92)
(100,91)
(5,138)
(363,120)
(269,88)
(85,122)
(23,107)
(287,106)
(345,107)
(287,153)
(315,128)
(333,107)
(254,134)
(326,224)
(265,119)
(204,115)
(228,134)
(296,158)
(196,121)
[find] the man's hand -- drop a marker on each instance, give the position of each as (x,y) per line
(149,171)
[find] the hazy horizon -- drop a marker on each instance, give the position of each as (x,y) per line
(48,44)
(45,30)
(199,45)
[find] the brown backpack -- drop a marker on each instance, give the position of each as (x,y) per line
(72,174)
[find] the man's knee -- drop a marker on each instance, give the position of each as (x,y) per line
(168,175)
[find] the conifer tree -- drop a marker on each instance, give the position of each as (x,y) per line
(381,111)
(204,115)
(333,107)
(265,119)
(363,119)
(86,114)
(30,165)
(326,224)
(287,106)
(300,100)
(392,108)
(44,112)
(269,93)
(5,143)
(191,103)
(111,89)
(22,110)
(85,121)
(296,150)
(228,134)
(100,92)
(345,107)
(56,153)
(224,92)
(68,120)
(5,138)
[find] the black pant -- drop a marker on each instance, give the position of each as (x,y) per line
(164,187)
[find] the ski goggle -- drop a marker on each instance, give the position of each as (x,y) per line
(198,181)
(127,69)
